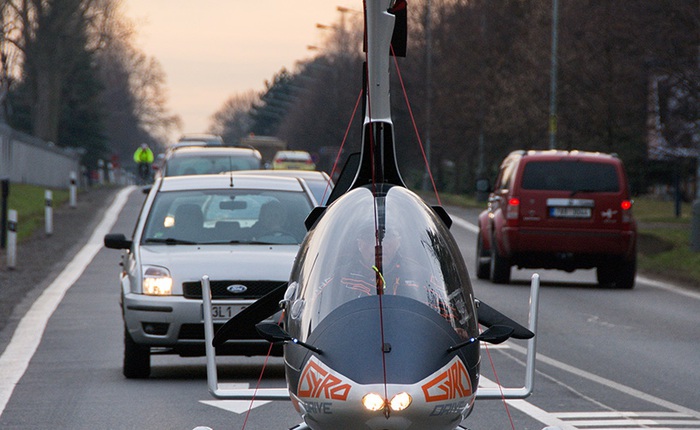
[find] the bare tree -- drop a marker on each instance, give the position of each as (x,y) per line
(232,121)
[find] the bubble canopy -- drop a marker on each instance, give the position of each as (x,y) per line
(382,242)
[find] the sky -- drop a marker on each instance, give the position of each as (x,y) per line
(211,50)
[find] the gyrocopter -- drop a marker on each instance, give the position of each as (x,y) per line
(380,324)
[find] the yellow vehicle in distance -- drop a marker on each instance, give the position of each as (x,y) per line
(300,160)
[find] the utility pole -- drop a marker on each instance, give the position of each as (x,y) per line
(553,77)
(695,222)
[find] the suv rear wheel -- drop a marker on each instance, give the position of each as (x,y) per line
(137,359)
(500,266)
(483,259)
(618,274)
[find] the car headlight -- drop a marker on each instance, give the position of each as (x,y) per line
(157,281)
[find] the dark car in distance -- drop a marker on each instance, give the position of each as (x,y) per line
(563,210)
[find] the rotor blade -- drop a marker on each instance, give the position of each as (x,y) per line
(244,322)
(489,316)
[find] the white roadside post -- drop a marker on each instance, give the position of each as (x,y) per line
(11,238)
(73,189)
(110,172)
(48,211)
(101,172)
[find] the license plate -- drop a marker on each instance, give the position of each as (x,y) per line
(225,312)
(570,212)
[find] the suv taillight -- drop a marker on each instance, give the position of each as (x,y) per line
(512,208)
(626,206)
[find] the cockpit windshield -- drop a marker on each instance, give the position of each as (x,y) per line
(391,244)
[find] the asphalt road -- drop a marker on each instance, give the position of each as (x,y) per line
(607,359)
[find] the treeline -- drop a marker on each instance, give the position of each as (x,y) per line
(70,74)
(478,79)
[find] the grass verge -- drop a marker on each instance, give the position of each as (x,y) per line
(28,201)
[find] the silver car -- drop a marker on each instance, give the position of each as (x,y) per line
(319,182)
(241,231)
(202,160)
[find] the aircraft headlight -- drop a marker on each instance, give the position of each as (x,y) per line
(157,281)
(400,401)
(373,402)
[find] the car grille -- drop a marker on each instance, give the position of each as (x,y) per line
(254,289)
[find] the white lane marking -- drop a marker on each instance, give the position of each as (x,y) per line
(611,384)
(669,287)
(529,409)
(465,224)
(235,406)
(27,336)
(627,420)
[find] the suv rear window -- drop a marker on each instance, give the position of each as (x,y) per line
(575,176)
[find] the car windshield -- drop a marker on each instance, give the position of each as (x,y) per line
(574,176)
(210,164)
(418,261)
(227,216)
(320,189)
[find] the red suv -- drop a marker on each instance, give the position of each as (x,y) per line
(559,210)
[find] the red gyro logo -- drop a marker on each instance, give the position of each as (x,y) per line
(451,384)
(317,382)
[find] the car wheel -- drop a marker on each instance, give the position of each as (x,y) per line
(605,274)
(626,273)
(137,359)
(620,274)
(500,267)
(483,259)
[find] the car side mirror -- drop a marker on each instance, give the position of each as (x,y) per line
(117,241)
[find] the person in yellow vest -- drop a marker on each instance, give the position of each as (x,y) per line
(143,157)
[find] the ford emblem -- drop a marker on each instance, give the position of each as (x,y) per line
(236,289)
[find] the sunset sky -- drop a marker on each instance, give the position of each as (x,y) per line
(213,49)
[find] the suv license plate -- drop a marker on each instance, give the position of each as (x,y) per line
(225,312)
(570,212)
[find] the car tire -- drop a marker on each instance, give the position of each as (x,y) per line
(620,274)
(500,267)
(137,359)
(483,259)
(605,273)
(626,273)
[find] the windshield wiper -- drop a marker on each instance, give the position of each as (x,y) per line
(583,190)
(224,242)
(169,241)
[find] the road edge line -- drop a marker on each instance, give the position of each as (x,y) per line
(30,330)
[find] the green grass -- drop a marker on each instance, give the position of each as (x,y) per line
(648,209)
(671,257)
(28,201)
